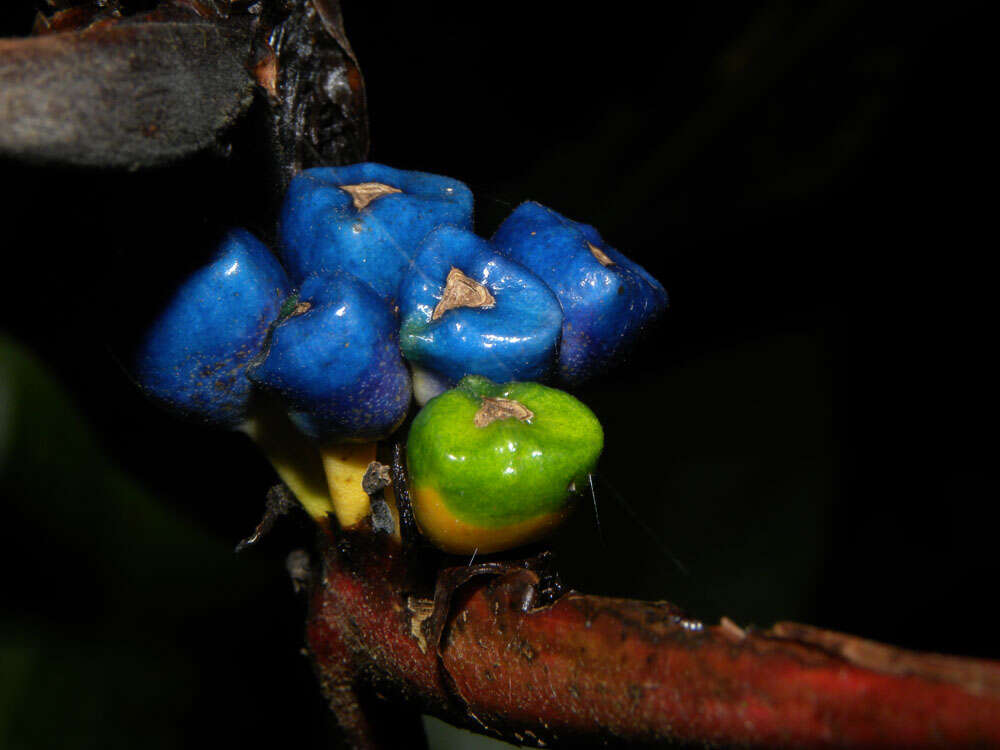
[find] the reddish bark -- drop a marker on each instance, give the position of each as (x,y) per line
(589,667)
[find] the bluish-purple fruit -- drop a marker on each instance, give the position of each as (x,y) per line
(335,362)
(607,299)
(366,219)
(467,310)
(193,358)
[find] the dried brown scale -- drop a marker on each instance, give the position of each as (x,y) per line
(71,19)
(265,73)
(363,193)
(493,409)
(462,291)
(601,256)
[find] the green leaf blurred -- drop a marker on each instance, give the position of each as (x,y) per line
(55,477)
(124,624)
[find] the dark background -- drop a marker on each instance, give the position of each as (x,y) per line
(805,437)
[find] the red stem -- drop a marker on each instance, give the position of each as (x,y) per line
(596,668)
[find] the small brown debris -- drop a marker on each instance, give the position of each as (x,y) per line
(299,569)
(731,630)
(461,291)
(602,258)
(524,649)
(420,611)
(365,192)
(501,408)
(377,477)
(265,73)
(278,503)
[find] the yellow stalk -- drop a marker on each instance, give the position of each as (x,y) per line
(345,465)
(295,459)
(324,478)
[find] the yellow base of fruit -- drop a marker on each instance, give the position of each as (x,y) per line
(459,537)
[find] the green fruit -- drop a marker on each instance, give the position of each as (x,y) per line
(494,466)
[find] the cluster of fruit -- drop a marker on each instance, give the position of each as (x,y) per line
(384,295)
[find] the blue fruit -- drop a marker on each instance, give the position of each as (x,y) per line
(366,219)
(469,311)
(193,357)
(335,362)
(607,299)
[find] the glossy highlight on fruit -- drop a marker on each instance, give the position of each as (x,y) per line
(366,219)
(467,310)
(193,358)
(335,362)
(493,466)
(607,299)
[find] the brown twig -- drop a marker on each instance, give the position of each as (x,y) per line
(589,668)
